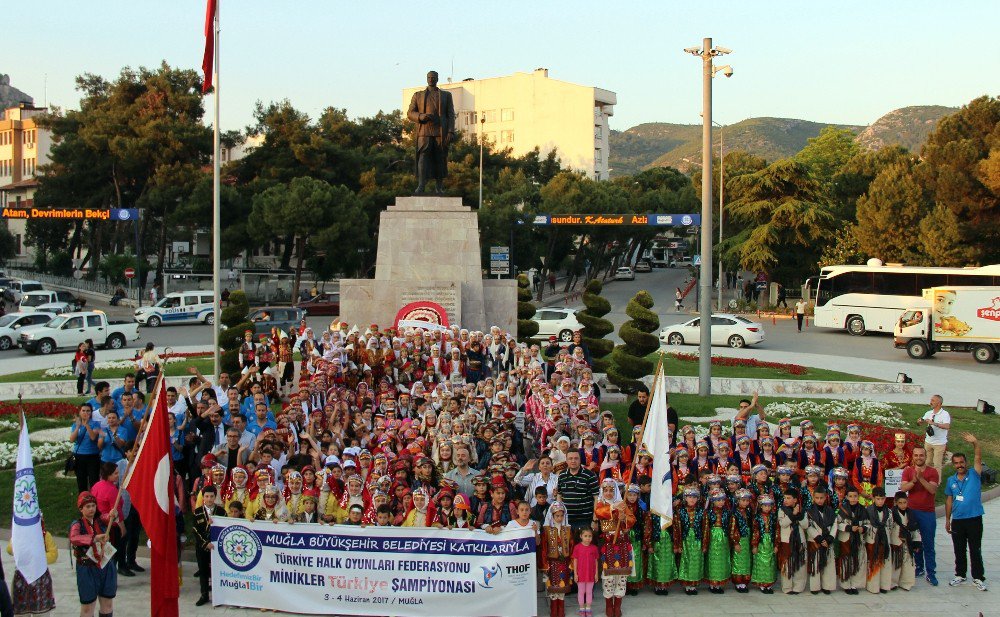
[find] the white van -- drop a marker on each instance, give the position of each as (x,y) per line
(18,288)
(178,307)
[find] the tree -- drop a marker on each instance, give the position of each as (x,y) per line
(889,215)
(235,318)
(953,160)
(526,328)
(594,327)
(825,154)
(628,361)
(852,180)
(785,220)
(306,209)
(944,239)
(8,245)
(844,250)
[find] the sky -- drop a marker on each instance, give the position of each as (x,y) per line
(844,62)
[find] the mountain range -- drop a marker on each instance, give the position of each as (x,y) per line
(661,144)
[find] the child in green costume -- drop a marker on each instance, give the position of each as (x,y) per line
(764,571)
(717,560)
(689,527)
(741,535)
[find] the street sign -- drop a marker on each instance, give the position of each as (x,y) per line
(499,259)
(130,273)
(591,220)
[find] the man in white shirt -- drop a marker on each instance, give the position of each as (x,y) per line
(938,421)
(800,312)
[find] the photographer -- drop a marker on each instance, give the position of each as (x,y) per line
(937,422)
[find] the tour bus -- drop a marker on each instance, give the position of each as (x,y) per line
(871,298)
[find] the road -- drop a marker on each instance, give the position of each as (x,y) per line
(780,335)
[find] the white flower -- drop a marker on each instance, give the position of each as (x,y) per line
(8,425)
(874,412)
(39,454)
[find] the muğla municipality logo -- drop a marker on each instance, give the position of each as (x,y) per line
(239,547)
(25,499)
(123,214)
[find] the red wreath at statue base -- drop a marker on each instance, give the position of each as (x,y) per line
(422,314)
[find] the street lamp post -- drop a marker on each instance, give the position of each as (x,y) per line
(722,192)
(707,53)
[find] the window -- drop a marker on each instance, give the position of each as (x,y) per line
(93,321)
(76,322)
(491,137)
(722,321)
(471,118)
(190,300)
(597,156)
(506,137)
(206,299)
(896,283)
(507,115)
(490,115)
(37,320)
(598,132)
(695,323)
(17,244)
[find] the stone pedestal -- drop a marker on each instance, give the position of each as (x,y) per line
(428,250)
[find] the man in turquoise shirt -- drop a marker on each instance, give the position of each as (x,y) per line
(963,514)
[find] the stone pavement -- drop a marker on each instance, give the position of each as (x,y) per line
(922,601)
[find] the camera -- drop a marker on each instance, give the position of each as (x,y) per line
(930,431)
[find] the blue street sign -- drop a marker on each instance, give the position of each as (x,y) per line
(124,214)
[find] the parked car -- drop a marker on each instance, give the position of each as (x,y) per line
(177,308)
(18,288)
(624,274)
(35,300)
(326,303)
(643,266)
(683,262)
(557,322)
(71,329)
(10,325)
(731,330)
(282,317)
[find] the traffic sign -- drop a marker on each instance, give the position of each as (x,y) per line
(130,273)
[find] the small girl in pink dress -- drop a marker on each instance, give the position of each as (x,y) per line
(585,555)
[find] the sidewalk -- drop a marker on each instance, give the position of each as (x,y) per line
(921,601)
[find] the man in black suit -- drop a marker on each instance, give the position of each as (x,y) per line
(434,112)
(213,431)
(203,538)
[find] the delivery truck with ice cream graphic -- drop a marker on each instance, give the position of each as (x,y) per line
(952,319)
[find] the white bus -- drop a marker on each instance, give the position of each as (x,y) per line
(871,298)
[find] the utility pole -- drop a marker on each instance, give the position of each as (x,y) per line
(722,192)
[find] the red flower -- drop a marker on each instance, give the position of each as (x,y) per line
(791,369)
(45,409)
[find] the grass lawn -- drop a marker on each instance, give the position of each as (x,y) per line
(205,365)
(688,368)
(964,419)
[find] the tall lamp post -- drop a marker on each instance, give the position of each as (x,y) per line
(706,53)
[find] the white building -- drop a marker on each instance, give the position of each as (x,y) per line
(528,110)
(24,147)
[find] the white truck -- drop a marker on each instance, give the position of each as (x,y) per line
(952,319)
(70,329)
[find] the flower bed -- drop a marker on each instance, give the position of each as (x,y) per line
(108,365)
(44,409)
(43,453)
(791,369)
(8,425)
(873,412)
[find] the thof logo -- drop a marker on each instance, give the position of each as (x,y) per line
(489,574)
(239,547)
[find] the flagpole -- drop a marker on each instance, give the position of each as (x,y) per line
(146,421)
(216,213)
(645,417)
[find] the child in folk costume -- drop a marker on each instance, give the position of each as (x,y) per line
(557,544)
(877,543)
(791,544)
(904,541)
(272,508)
(639,536)
(762,545)
(838,490)
(852,560)
(742,526)
(814,482)
(423,512)
(820,533)
(689,527)
(718,564)
(615,521)
(236,489)
(866,473)
(661,570)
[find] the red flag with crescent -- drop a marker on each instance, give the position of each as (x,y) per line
(208,60)
(150,482)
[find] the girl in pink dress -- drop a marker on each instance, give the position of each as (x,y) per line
(585,556)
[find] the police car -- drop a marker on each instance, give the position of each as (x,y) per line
(178,308)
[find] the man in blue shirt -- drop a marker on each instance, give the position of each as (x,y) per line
(963,514)
(127,388)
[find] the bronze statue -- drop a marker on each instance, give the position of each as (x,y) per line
(434,112)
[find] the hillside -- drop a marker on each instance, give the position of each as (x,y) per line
(657,144)
(907,127)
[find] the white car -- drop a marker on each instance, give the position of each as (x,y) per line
(732,330)
(557,322)
(624,274)
(10,324)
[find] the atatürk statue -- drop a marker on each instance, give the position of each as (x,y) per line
(433,111)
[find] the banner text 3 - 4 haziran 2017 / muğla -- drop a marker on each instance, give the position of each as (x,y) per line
(319,569)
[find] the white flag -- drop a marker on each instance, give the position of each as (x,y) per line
(26,532)
(656,437)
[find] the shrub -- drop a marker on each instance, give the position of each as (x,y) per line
(628,361)
(526,328)
(594,327)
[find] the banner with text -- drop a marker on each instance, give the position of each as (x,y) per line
(342,569)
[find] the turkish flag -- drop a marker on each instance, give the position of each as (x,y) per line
(150,483)
(208,60)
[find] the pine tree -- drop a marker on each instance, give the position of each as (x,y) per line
(235,318)
(526,328)
(889,215)
(594,327)
(628,362)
